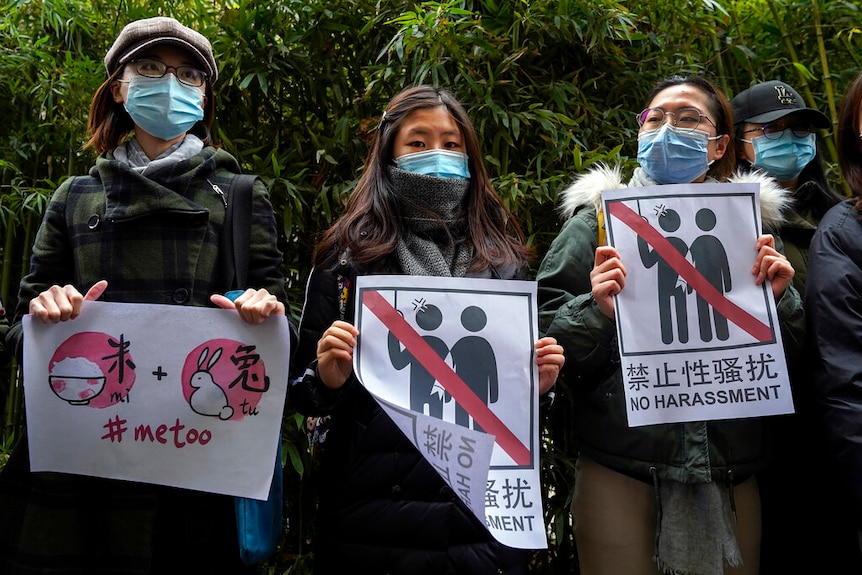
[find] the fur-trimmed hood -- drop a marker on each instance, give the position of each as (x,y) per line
(586,190)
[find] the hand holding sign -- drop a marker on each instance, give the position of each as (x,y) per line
(62,303)
(335,354)
(607,278)
(772,265)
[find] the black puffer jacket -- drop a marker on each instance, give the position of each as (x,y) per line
(833,298)
(382,507)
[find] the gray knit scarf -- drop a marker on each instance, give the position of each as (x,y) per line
(432,212)
(131,152)
(695,532)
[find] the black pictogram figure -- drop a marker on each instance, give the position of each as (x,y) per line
(672,292)
(429,318)
(475,363)
(710,260)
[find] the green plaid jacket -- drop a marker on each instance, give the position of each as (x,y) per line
(155,241)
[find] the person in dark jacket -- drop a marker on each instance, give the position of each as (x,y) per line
(424,206)
(776,133)
(833,298)
(143,227)
(675,498)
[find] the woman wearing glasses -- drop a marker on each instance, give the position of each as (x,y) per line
(668,498)
(775,133)
(143,227)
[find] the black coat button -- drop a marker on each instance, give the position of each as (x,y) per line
(181,295)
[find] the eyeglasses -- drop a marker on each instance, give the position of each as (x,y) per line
(774,131)
(685,118)
(156,69)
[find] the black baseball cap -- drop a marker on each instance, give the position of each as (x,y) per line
(769,101)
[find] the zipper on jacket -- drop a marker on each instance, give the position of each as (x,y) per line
(732,497)
(659,511)
(219,192)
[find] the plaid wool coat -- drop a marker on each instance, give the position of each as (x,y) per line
(155,241)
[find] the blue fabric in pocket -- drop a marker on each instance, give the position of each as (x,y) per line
(258,523)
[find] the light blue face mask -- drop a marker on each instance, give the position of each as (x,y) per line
(164,107)
(673,156)
(785,157)
(437,163)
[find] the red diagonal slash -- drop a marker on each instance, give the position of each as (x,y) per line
(447,378)
(734,313)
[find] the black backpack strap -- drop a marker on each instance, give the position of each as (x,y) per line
(236,234)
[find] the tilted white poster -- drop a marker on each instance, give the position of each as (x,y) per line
(452,361)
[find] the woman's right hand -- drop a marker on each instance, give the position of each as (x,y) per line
(772,265)
(607,279)
(335,354)
(61,303)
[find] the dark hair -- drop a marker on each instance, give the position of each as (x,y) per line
(371,227)
(847,136)
(109,123)
(719,107)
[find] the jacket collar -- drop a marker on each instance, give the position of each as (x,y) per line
(130,194)
(586,191)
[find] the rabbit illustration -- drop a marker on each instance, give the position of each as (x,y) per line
(208,398)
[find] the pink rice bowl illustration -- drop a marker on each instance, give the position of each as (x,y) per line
(76,380)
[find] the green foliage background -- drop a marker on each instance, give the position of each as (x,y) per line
(552,86)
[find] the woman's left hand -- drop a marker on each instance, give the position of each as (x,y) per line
(61,303)
(772,265)
(254,305)
(550,359)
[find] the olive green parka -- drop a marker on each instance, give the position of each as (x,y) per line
(723,450)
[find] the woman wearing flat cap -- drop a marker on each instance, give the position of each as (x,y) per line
(145,226)
(800,495)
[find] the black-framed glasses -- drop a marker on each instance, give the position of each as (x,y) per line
(156,69)
(774,131)
(685,118)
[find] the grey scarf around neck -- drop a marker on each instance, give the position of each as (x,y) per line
(641,179)
(432,211)
(131,152)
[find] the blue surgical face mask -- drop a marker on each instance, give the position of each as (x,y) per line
(673,156)
(785,157)
(164,107)
(438,163)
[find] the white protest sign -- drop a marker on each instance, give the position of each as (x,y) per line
(184,396)
(698,339)
(452,361)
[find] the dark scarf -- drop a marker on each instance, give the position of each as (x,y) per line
(434,242)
